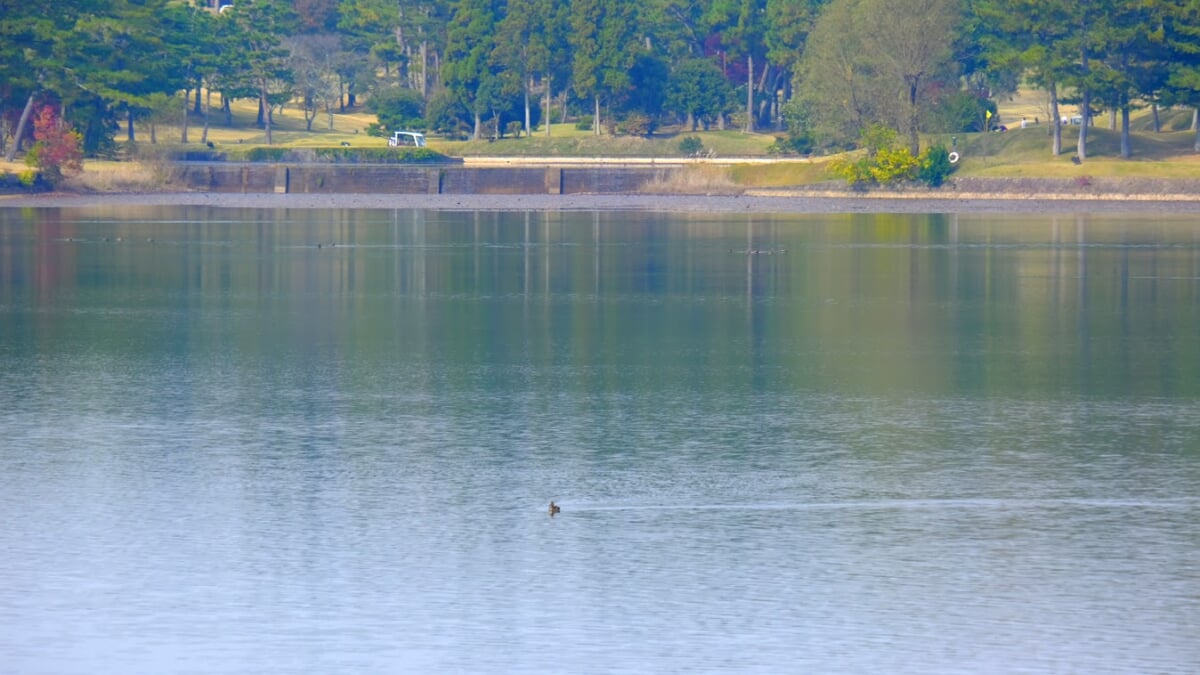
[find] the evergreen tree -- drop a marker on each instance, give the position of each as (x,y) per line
(604,45)
(261,62)
(1027,36)
(1181,36)
(698,91)
(469,70)
(531,44)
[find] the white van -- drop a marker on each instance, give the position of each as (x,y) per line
(407,138)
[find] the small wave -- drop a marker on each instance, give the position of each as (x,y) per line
(899,504)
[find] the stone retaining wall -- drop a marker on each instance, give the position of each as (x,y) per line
(339,178)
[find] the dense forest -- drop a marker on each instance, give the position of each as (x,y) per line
(817,72)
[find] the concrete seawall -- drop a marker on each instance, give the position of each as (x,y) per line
(401,179)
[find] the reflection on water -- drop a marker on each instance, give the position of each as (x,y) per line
(813,444)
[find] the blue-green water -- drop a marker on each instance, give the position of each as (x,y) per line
(870,443)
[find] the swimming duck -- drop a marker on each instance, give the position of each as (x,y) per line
(554,509)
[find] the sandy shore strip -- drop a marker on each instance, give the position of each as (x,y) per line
(754,202)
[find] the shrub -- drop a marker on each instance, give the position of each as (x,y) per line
(637,124)
(792,144)
(398,108)
(58,151)
(894,165)
(29,180)
(691,145)
(886,162)
(584,123)
(935,166)
(261,154)
(445,114)
(857,173)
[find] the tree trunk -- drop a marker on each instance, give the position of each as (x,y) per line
(129,126)
(1085,108)
(549,99)
(596,118)
(183,133)
(424,69)
(1196,129)
(1126,151)
(1085,105)
(20,135)
(528,86)
(263,109)
(226,110)
(478,127)
(914,137)
(207,107)
(749,93)
(199,89)
(153,133)
(1056,122)
(764,107)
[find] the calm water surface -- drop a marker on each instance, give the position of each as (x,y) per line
(872,443)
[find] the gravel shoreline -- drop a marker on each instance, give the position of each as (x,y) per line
(760,201)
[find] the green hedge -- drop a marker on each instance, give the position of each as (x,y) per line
(338,155)
(331,155)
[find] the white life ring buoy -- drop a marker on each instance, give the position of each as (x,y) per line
(953,158)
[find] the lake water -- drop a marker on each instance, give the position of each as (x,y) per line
(826,444)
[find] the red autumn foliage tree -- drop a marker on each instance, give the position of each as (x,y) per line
(58,151)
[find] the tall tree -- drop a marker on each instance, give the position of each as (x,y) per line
(313,61)
(604,43)
(259,26)
(788,24)
(1181,35)
(1135,54)
(469,69)
(37,48)
(189,33)
(531,44)
(741,25)
(839,86)
(1085,41)
(699,91)
(875,62)
(676,28)
(1027,36)
(913,40)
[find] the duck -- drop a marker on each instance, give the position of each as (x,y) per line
(554,508)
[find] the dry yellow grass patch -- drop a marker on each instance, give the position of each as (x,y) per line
(695,179)
(105,176)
